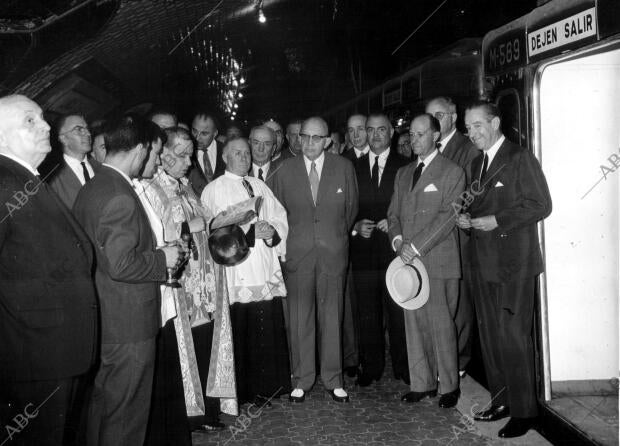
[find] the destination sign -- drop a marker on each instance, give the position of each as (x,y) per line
(571,29)
(507,51)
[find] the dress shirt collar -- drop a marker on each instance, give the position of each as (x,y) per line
(318,163)
(382,158)
(429,159)
(233,176)
(76,166)
(265,168)
(444,142)
(23,163)
(212,147)
(493,150)
(123,174)
(362,152)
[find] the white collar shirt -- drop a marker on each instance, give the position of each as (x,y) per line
(444,142)
(264,167)
(76,167)
(318,164)
(493,150)
(382,159)
(359,153)
(429,159)
(211,153)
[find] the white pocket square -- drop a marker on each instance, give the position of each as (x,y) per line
(339,191)
(430,188)
(499,184)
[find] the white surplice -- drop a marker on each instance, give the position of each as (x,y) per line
(259,277)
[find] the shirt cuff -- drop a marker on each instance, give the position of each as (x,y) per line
(398,237)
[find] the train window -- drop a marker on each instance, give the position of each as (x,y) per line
(579,144)
(510,107)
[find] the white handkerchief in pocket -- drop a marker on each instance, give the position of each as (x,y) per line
(339,191)
(499,184)
(430,188)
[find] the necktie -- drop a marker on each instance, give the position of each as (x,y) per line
(374,174)
(85,171)
(248,187)
(260,174)
(485,163)
(207,165)
(313,177)
(416,174)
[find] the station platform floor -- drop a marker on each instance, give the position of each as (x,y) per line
(375,416)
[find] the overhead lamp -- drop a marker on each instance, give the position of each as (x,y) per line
(261,14)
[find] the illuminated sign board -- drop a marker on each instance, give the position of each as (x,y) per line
(561,33)
(507,51)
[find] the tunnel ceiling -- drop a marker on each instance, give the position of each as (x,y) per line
(105,55)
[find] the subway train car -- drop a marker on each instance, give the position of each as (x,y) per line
(555,74)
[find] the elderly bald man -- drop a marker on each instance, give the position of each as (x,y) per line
(319,192)
(48,309)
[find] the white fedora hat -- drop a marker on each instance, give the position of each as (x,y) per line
(407,283)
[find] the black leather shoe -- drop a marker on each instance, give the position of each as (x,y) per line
(297,399)
(352,371)
(449,399)
(516,427)
(493,413)
(414,397)
(207,428)
(338,399)
(364,380)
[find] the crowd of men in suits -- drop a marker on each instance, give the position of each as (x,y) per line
(81,268)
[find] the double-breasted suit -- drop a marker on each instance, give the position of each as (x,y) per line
(370,258)
(48,307)
(425,217)
(317,252)
(505,263)
(129,271)
(462,151)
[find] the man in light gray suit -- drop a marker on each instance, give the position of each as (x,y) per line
(319,192)
(421,223)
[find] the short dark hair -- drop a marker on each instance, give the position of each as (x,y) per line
(123,133)
(489,108)
(433,122)
(203,114)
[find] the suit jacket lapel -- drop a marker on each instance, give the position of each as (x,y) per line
(497,164)
(428,175)
(300,167)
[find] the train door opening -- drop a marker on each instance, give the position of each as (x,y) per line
(578,142)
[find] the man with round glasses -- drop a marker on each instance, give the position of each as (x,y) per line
(319,192)
(75,168)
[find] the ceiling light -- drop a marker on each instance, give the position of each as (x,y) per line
(261,16)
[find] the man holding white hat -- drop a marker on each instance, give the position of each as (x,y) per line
(421,227)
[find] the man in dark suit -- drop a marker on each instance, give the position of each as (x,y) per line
(371,254)
(76,168)
(277,130)
(129,270)
(207,162)
(48,308)
(356,129)
(319,193)
(262,142)
(458,148)
(293,146)
(421,223)
(510,195)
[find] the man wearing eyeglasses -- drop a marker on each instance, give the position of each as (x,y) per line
(207,163)
(262,142)
(75,168)
(458,148)
(319,192)
(421,224)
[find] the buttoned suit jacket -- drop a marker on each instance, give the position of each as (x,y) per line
(426,217)
(376,251)
(48,307)
(269,175)
(195,174)
(322,229)
(129,269)
(515,191)
(66,184)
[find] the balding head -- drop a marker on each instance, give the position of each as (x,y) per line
(444,110)
(314,137)
(237,156)
(74,136)
(356,129)
(23,131)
